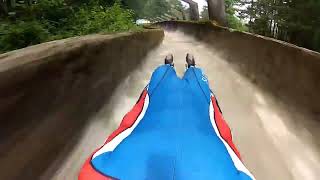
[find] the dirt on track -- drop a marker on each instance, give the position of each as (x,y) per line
(264,129)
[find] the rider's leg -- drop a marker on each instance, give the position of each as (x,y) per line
(164,75)
(197,81)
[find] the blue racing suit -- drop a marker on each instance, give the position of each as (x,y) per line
(175,131)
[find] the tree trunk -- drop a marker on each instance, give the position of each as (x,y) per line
(183,16)
(28,2)
(4,7)
(12,4)
(194,11)
(217,12)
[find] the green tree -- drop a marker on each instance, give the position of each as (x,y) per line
(204,13)
(55,19)
(137,5)
(233,21)
(295,21)
(149,8)
(101,19)
(22,34)
(155,8)
(177,9)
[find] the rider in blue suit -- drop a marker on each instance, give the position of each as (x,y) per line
(175,131)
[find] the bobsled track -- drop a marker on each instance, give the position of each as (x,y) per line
(60,100)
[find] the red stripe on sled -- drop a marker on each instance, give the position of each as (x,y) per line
(223,127)
(88,172)
(130,118)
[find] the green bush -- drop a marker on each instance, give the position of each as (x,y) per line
(235,23)
(54,19)
(54,14)
(52,10)
(102,19)
(22,34)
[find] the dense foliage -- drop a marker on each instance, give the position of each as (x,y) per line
(39,21)
(36,21)
(55,19)
(233,21)
(294,21)
(157,9)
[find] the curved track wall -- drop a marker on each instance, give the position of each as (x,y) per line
(49,91)
(285,70)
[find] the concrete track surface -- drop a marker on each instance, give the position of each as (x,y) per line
(273,147)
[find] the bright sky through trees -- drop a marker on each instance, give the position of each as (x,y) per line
(201,3)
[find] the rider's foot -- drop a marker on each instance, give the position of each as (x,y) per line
(169,60)
(190,60)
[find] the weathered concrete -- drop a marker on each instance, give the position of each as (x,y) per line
(272,144)
(49,91)
(289,72)
(274,116)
